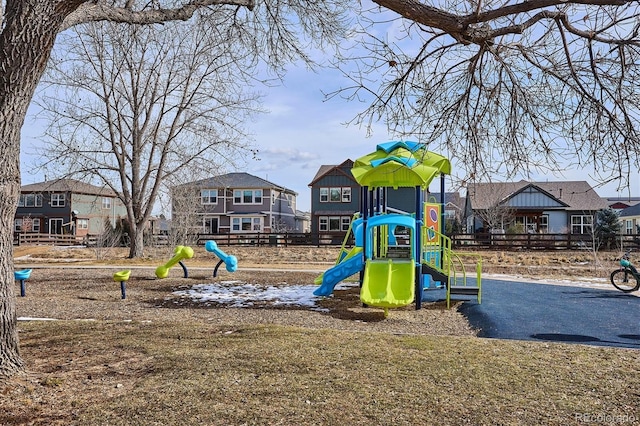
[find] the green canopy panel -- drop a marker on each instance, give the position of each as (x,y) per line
(399,164)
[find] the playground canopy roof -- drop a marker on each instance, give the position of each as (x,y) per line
(399,164)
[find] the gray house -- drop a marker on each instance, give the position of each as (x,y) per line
(235,203)
(335,198)
(545,207)
(66,206)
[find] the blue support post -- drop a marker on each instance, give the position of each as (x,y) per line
(22,276)
(442,217)
(418,248)
(184,269)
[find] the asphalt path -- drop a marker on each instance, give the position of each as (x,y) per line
(557,313)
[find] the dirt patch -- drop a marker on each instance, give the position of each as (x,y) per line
(91,294)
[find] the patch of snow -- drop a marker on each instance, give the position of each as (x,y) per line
(238,294)
(36,319)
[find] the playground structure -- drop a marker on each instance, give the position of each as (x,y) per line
(393,274)
(180,253)
(231,262)
(22,276)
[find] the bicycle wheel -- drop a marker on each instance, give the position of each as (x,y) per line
(624,280)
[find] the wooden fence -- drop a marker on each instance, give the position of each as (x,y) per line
(252,239)
(471,241)
(542,241)
(276,240)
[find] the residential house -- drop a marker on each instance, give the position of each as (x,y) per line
(303,221)
(235,203)
(336,195)
(630,218)
(620,203)
(66,206)
(453,206)
(545,207)
(335,198)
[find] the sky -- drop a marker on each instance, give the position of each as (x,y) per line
(302,131)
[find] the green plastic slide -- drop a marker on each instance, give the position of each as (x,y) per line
(388,283)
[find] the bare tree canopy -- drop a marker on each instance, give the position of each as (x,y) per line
(277,31)
(507,86)
(134,107)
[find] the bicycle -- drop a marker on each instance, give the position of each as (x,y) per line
(626,277)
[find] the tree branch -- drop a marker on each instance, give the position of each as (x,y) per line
(99,11)
(462,27)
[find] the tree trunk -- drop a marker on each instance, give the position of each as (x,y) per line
(30,28)
(137,242)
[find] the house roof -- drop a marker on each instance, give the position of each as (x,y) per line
(67,185)
(575,195)
(238,180)
(450,198)
(621,202)
(325,169)
(630,211)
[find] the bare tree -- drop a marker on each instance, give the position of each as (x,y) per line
(497,217)
(186,217)
(514,87)
(132,106)
(279,32)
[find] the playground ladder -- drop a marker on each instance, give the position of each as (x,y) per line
(443,264)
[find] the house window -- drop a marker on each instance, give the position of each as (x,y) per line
(581,224)
(247,196)
(17,224)
(534,224)
(628,227)
(106,203)
(544,223)
(35,224)
(334,223)
(346,195)
(30,200)
(83,223)
(335,195)
(57,200)
(324,195)
(246,224)
(209,196)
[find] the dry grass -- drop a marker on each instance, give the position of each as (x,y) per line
(146,373)
(152,359)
